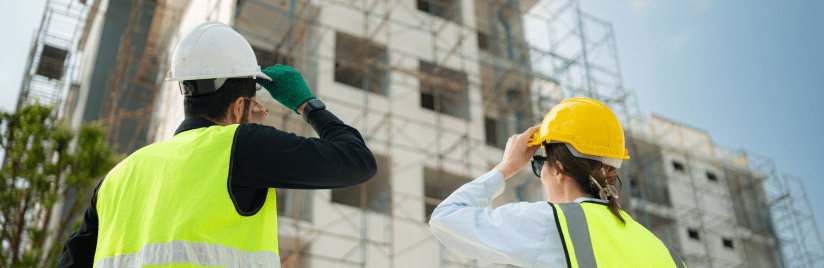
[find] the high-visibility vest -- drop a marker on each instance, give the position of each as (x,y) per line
(593,237)
(169,204)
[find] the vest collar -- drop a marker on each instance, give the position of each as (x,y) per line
(589,199)
(193,123)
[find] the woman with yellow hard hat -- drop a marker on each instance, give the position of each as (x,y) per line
(582,225)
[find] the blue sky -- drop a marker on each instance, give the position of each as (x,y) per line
(20,20)
(751,74)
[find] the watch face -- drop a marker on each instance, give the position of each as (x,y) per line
(317,104)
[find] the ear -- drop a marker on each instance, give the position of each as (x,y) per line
(237,110)
(557,172)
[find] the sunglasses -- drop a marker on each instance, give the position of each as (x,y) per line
(257,113)
(538,164)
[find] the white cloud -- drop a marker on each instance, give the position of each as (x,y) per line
(640,6)
(680,39)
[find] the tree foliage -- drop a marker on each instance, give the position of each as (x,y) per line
(47,177)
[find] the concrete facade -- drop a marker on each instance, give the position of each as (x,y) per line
(706,201)
(425,150)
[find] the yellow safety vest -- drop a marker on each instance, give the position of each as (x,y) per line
(593,237)
(169,205)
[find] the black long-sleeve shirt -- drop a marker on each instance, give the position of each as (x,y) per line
(264,157)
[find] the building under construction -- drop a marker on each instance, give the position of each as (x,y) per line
(435,88)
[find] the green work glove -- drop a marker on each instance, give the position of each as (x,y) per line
(287,86)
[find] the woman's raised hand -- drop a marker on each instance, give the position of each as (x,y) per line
(517,153)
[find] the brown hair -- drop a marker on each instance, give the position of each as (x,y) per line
(580,169)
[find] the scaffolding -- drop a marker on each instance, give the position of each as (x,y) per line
(505,81)
(134,84)
(477,78)
(520,77)
(52,74)
(52,65)
(803,223)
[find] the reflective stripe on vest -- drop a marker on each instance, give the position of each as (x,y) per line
(677,259)
(578,233)
(197,253)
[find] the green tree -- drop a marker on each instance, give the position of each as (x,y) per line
(44,164)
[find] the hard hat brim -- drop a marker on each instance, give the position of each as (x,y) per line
(555,136)
(254,75)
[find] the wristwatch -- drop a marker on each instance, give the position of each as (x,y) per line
(312,105)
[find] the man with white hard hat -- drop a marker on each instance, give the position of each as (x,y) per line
(205,197)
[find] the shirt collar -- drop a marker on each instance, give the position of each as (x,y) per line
(193,123)
(582,199)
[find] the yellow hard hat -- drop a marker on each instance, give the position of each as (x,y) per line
(586,124)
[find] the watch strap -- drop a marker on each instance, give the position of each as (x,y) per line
(310,107)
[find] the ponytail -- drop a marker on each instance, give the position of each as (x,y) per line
(606,176)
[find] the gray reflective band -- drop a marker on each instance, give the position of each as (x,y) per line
(677,259)
(576,222)
(198,253)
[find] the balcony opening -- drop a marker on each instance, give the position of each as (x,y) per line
(444,90)
(293,203)
(268,58)
(374,195)
(52,60)
(438,185)
(360,63)
(447,9)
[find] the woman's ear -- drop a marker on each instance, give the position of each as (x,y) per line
(556,172)
(559,165)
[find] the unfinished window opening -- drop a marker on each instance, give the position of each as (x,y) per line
(727,243)
(268,58)
(749,200)
(51,63)
(491,127)
(427,101)
(374,195)
(438,185)
(711,176)
(650,190)
(444,90)
(693,234)
(360,63)
(495,135)
(296,204)
(678,166)
(447,9)
(483,41)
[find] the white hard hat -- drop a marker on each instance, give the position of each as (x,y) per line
(213,50)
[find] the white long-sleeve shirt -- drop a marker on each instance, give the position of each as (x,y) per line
(522,234)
